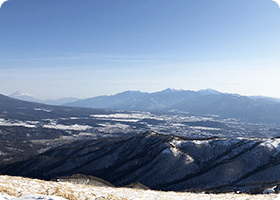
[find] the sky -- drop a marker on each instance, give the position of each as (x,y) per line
(85,48)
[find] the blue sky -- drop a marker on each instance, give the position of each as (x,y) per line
(85,48)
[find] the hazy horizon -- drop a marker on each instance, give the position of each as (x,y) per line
(33,96)
(22,93)
(55,49)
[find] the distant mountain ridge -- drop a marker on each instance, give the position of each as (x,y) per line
(27,97)
(15,109)
(23,96)
(227,106)
(130,100)
(257,109)
(267,98)
(202,102)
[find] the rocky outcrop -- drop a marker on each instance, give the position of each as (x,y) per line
(83,179)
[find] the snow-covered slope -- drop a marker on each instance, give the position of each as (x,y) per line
(18,188)
(163,162)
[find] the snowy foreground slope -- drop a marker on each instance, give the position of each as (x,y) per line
(18,188)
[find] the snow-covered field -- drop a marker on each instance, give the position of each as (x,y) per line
(18,188)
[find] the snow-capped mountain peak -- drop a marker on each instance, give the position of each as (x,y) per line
(20,94)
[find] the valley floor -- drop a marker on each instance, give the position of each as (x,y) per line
(19,188)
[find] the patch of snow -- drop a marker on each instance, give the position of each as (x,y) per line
(178,124)
(27,124)
(84,133)
(42,109)
(117,125)
(201,142)
(175,151)
(205,128)
(176,142)
(33,122)
(125,120)
(75,127)
(128,117)
(224,142)
(272,144)
(120,115)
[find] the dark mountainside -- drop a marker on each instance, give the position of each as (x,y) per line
(162,162)
(11,108)
(204,102)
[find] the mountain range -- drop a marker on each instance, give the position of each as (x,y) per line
(203,102)
(255,109)
(136,100)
